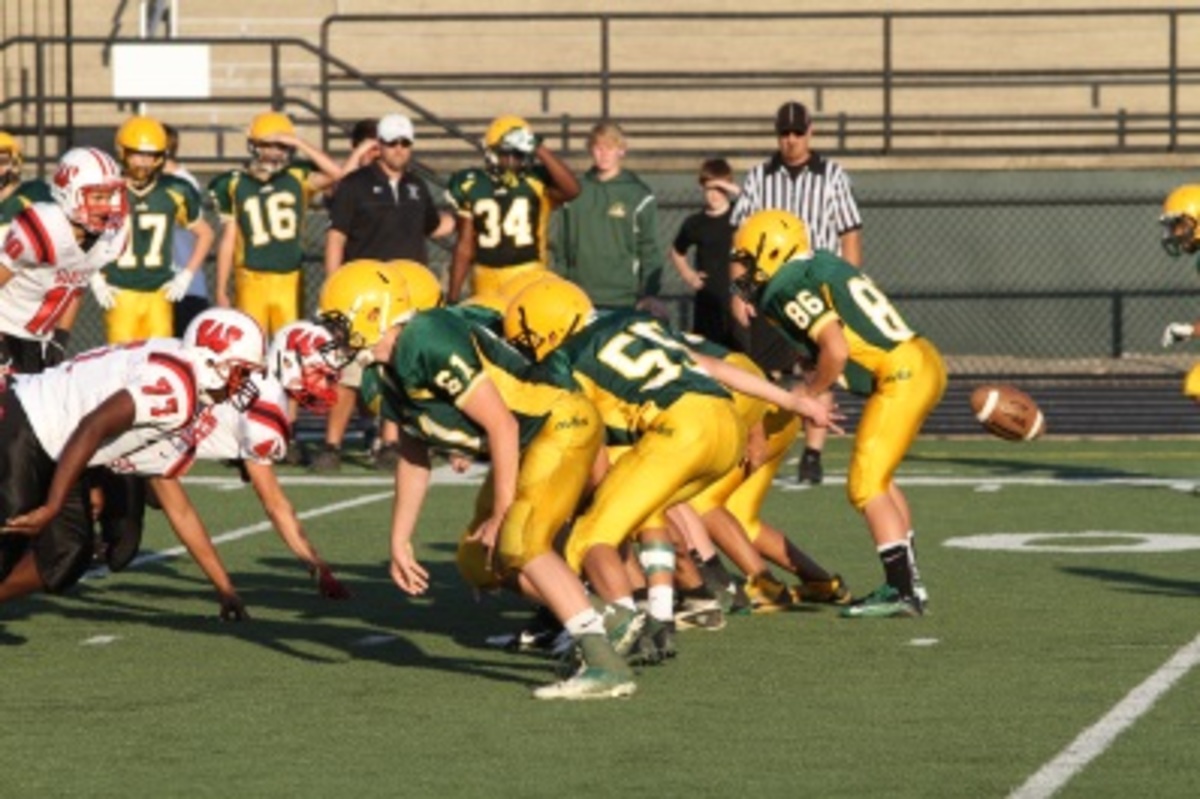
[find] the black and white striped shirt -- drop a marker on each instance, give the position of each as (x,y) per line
(818,192)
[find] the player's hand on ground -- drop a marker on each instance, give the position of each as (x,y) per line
(329,586)
(30,523)
(176,288)
(105,296)
(1177,332)
(232,608)
(410,576)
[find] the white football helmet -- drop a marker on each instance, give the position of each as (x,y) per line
(88,186)
(306,360)
(227,347)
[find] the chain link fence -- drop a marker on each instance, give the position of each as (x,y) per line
(1029,280)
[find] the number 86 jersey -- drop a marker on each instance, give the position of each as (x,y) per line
(49,269)
(806,295)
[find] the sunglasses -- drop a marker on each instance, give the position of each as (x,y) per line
(784,134)
(405,143)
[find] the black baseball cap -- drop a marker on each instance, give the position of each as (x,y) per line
(791,117)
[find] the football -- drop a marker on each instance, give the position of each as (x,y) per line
(1008,413)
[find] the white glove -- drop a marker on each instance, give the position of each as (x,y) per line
(1177,332)
(106,297)
(178,285)
(520,139)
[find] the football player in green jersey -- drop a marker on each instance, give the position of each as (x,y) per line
(1180,223)
(504,209)
(679,425)
(137,291)
(826,306)
(262,207)
(16,196)
(451,384)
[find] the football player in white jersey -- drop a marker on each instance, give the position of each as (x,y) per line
(51,253)
(302,364)
(94,409)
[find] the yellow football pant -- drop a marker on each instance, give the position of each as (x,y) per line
(554,471)
(489,280)
(688,445)
(746,501)
(908,387)
(1191,383)
(271,298)
(139,315)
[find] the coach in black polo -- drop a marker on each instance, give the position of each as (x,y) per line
(383,211)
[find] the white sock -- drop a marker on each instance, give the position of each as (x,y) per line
(586,622)
(626,602)
(662,602)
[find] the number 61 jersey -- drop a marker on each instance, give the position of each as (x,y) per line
(49,269)
(806,295)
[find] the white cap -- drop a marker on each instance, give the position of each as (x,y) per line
(394,127)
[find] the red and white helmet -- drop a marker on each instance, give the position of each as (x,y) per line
(227,347)
(89,188)
(306,360)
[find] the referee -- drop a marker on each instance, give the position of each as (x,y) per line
(817,190)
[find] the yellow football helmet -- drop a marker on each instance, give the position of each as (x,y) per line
(424,289)
(1180,213)
(12,168)
(142,135)
(544,315)
(508,145)
(267,156)
(766,241)
(361,300)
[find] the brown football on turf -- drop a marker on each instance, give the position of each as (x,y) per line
(1007,412)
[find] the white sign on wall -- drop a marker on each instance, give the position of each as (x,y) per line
(161,70)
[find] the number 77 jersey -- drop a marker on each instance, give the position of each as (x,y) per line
(806,295)
(49,269)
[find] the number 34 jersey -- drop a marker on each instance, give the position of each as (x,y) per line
(510,215)
(806,295)
(158,374)
(49,269)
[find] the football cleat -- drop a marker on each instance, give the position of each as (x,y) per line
(656,644)
(589,683)
(623,627)
(885,602)
(699,613)
(823,592)
(540,636)
(767,595)
(810,471)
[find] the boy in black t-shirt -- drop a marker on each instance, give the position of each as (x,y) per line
(710,232)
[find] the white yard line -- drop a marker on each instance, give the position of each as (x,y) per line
(1093,741)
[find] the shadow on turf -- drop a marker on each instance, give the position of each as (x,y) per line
(377,610)
(1136,582)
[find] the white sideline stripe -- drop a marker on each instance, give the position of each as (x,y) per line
(1093,741)
(445,476)
(248,530)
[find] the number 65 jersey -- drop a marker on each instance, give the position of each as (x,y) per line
(49,269)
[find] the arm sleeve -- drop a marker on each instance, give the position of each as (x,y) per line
(218,189)
(432,217)
(750,200)
(845,209)
(650,258)
(341,207)
(685,238)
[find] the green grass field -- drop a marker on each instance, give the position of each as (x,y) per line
(130,687)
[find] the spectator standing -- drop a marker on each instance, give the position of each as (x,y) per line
(382,211)
(183,242)
(816,189)
(710,233)
(608,239)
